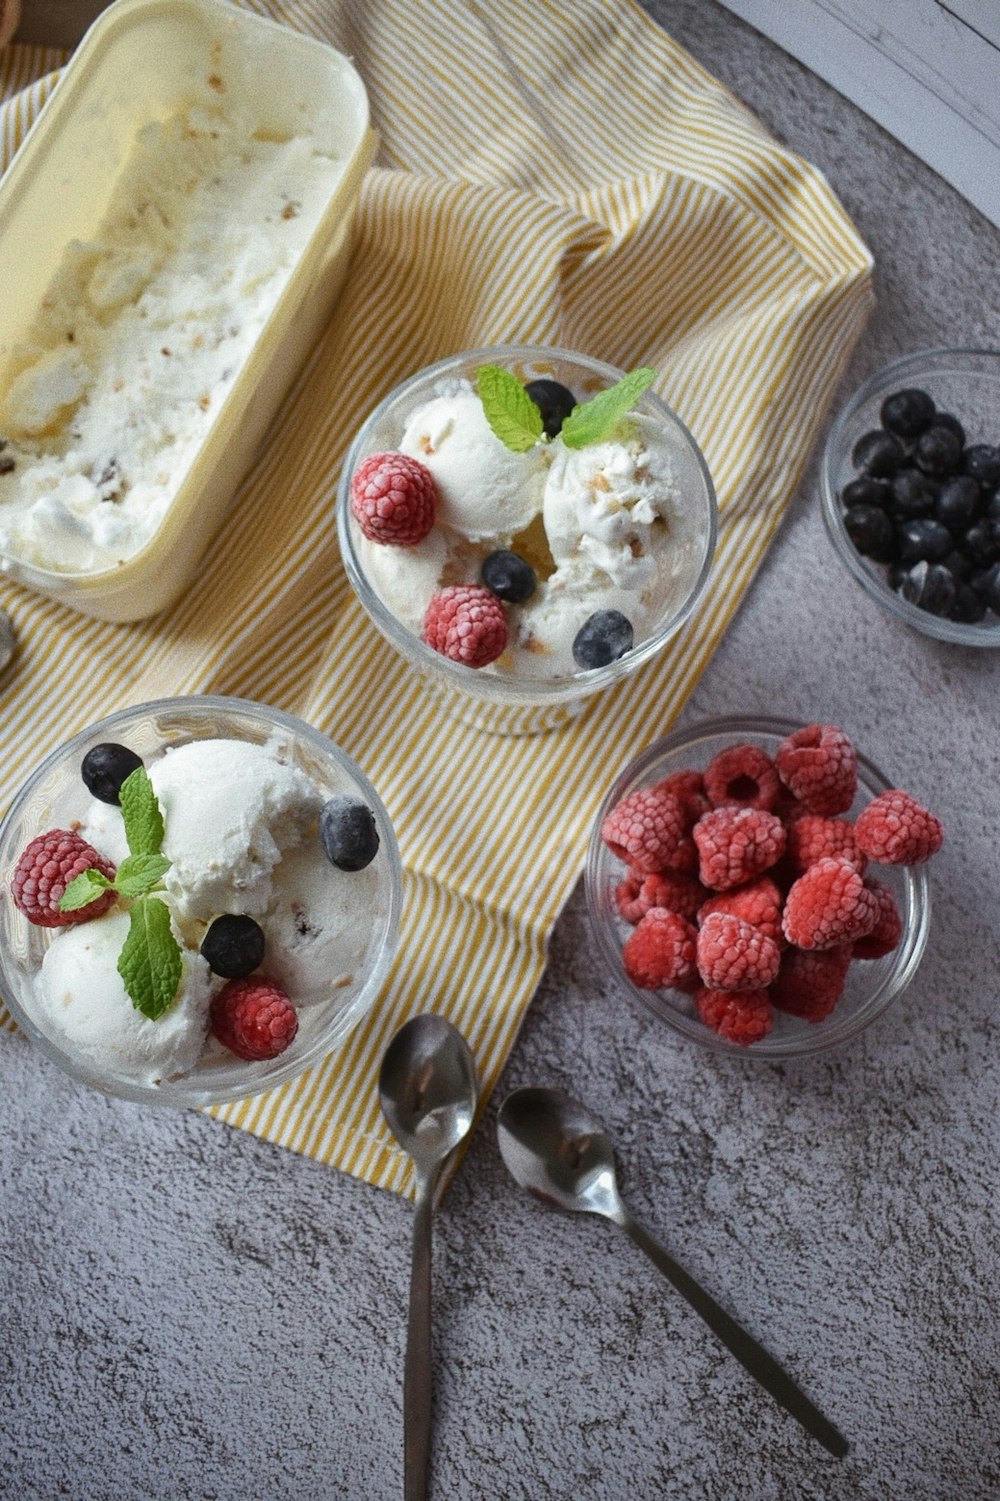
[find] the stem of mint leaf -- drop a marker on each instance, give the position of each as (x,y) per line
(508,408)
(594,420)
(150,962)
(141,812)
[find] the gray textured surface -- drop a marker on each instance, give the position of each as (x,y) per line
(191,1313)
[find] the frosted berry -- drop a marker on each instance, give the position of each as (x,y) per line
(888,929)
(907,413)
(813,837)
(677,891)
(758,903)
(660,952)
(393,498)
(819,765)
(253,1018)
(46,867)
(105,767)
(895,830)
(741,1016)
(742,774)
(466,622)
(734,955)
(649,830)
(348,832)
(689,788)
(828,905)
(736,845)
(810,982)
(233,946)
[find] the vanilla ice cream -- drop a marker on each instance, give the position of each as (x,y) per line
(108,397)
(605,527)
(241,829)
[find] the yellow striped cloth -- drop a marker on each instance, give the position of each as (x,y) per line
(549,173)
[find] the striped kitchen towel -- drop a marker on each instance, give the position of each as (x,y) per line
(557,173)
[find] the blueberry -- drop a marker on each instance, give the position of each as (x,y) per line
(923,539)
(930,587)
(895,574)
(865,491)
(907,413)
(945,419)
(910,495)
(604,637)
(980,542)
(982,462)
(987,586)
(938,451)
(555,402)
(878,453)
(871,531)
(105,767)
(509,576)
(233,946)
(348,833)
(967,606)
(958,502)
(993,507)
(957,565)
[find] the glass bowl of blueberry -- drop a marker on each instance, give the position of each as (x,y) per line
(910,485)
(760,886)
(526,526)
(200,899)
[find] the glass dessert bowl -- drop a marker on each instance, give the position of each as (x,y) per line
(869,984)
(910,488)
(243,936)
(584,551)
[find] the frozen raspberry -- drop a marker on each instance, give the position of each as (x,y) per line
(736,844)
(819,765)
(742,774)
(739,1016)
(466,622)
(812,837)
(689,788)
(828,905)
(895,830)
(676,890)
(734,955)
(811,981)
(758,902)
(660,952)
(649,830)
(253,1018)
(46,867)
(393,498)
(888,929)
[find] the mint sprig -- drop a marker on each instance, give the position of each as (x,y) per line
(508,408)
(591,421)
(150,962)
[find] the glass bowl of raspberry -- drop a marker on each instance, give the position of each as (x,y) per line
(760,886)
(200,899)
(910,489)
(526,526)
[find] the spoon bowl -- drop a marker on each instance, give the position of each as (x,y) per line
(559,1152)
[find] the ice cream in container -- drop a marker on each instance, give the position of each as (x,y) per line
(177,224)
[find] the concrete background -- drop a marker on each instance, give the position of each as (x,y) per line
(192,1313)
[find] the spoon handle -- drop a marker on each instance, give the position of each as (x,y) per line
(417,1371)
(751,1355)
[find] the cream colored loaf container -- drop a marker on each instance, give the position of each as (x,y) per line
(143,66)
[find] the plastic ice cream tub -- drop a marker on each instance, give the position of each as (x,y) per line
(152,79)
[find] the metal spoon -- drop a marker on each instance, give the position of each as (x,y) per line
(554,1148)
(429,1092)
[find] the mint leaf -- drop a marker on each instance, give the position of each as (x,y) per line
(150,961)
(140,873)
(83,889)
(593,420)
(508,408)
(141,812)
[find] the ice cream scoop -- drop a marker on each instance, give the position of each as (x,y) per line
(558,1151)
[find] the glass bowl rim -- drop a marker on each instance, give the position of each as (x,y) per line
(954,632)
(822,1036)
(185,1092)
(526,691)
